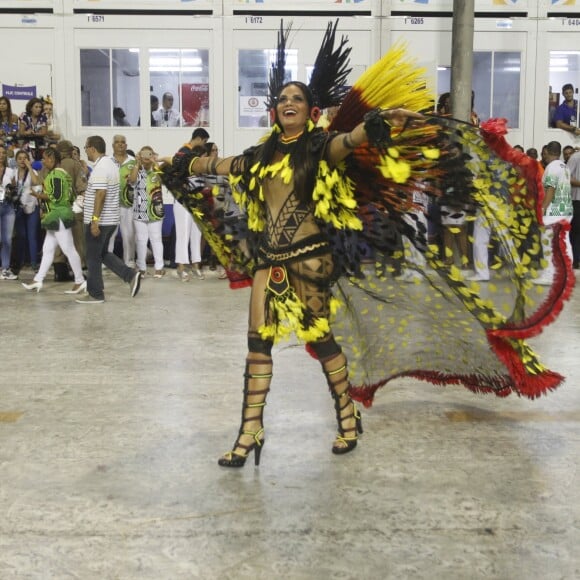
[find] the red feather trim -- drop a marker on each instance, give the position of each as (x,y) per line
(493,132)
(520,381)
(365,394)
(497,127)
(529,385)
(560,291)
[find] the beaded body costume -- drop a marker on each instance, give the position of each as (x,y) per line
(335,250)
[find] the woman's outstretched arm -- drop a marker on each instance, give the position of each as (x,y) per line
(344,144)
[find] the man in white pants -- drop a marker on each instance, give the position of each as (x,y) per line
(126,224)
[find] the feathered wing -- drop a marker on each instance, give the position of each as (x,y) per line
(437,325)
(393,81)
(222,225)
(441,328)
(388,179)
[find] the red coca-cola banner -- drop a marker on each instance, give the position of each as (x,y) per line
(195,104)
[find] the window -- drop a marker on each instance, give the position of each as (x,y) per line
(496,85)
(179,80)
(253,74)
(109,87)
(564,70)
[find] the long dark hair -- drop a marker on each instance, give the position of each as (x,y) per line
(303,160)
(31,104)
(8,109)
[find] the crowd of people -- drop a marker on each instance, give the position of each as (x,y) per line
(464,240)
(43,211)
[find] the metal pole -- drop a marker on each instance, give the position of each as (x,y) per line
(462,58)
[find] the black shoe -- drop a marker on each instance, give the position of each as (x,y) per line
(88,299)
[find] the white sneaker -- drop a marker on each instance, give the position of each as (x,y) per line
(8,274)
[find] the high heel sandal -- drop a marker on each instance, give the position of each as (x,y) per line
(234,458)
(347,437)
(77,288)
(343,442)
(33,286)
(241,451)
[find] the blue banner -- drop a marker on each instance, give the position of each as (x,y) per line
(22,93)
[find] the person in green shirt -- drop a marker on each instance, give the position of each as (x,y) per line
(57,220)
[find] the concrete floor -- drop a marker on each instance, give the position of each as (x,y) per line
(112,418)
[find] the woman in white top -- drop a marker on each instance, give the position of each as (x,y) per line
(27,223)
(147,209)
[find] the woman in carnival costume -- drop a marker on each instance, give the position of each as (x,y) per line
(313,198)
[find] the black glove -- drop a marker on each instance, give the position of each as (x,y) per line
(377,129)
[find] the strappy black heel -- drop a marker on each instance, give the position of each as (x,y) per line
(347,439)
(337,378)
(235,458)
(253,399)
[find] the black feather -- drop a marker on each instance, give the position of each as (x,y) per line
(278,68)
(331,70)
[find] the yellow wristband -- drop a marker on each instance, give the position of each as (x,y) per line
(96,218)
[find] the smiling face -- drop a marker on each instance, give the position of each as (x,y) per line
(292,110)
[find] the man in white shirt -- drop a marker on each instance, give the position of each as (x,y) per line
(166,115)
(101,218)
(557,205)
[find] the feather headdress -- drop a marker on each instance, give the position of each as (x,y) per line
(329,74)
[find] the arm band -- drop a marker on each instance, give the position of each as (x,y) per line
(190,166)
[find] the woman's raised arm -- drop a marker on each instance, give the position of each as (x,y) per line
(344,144)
